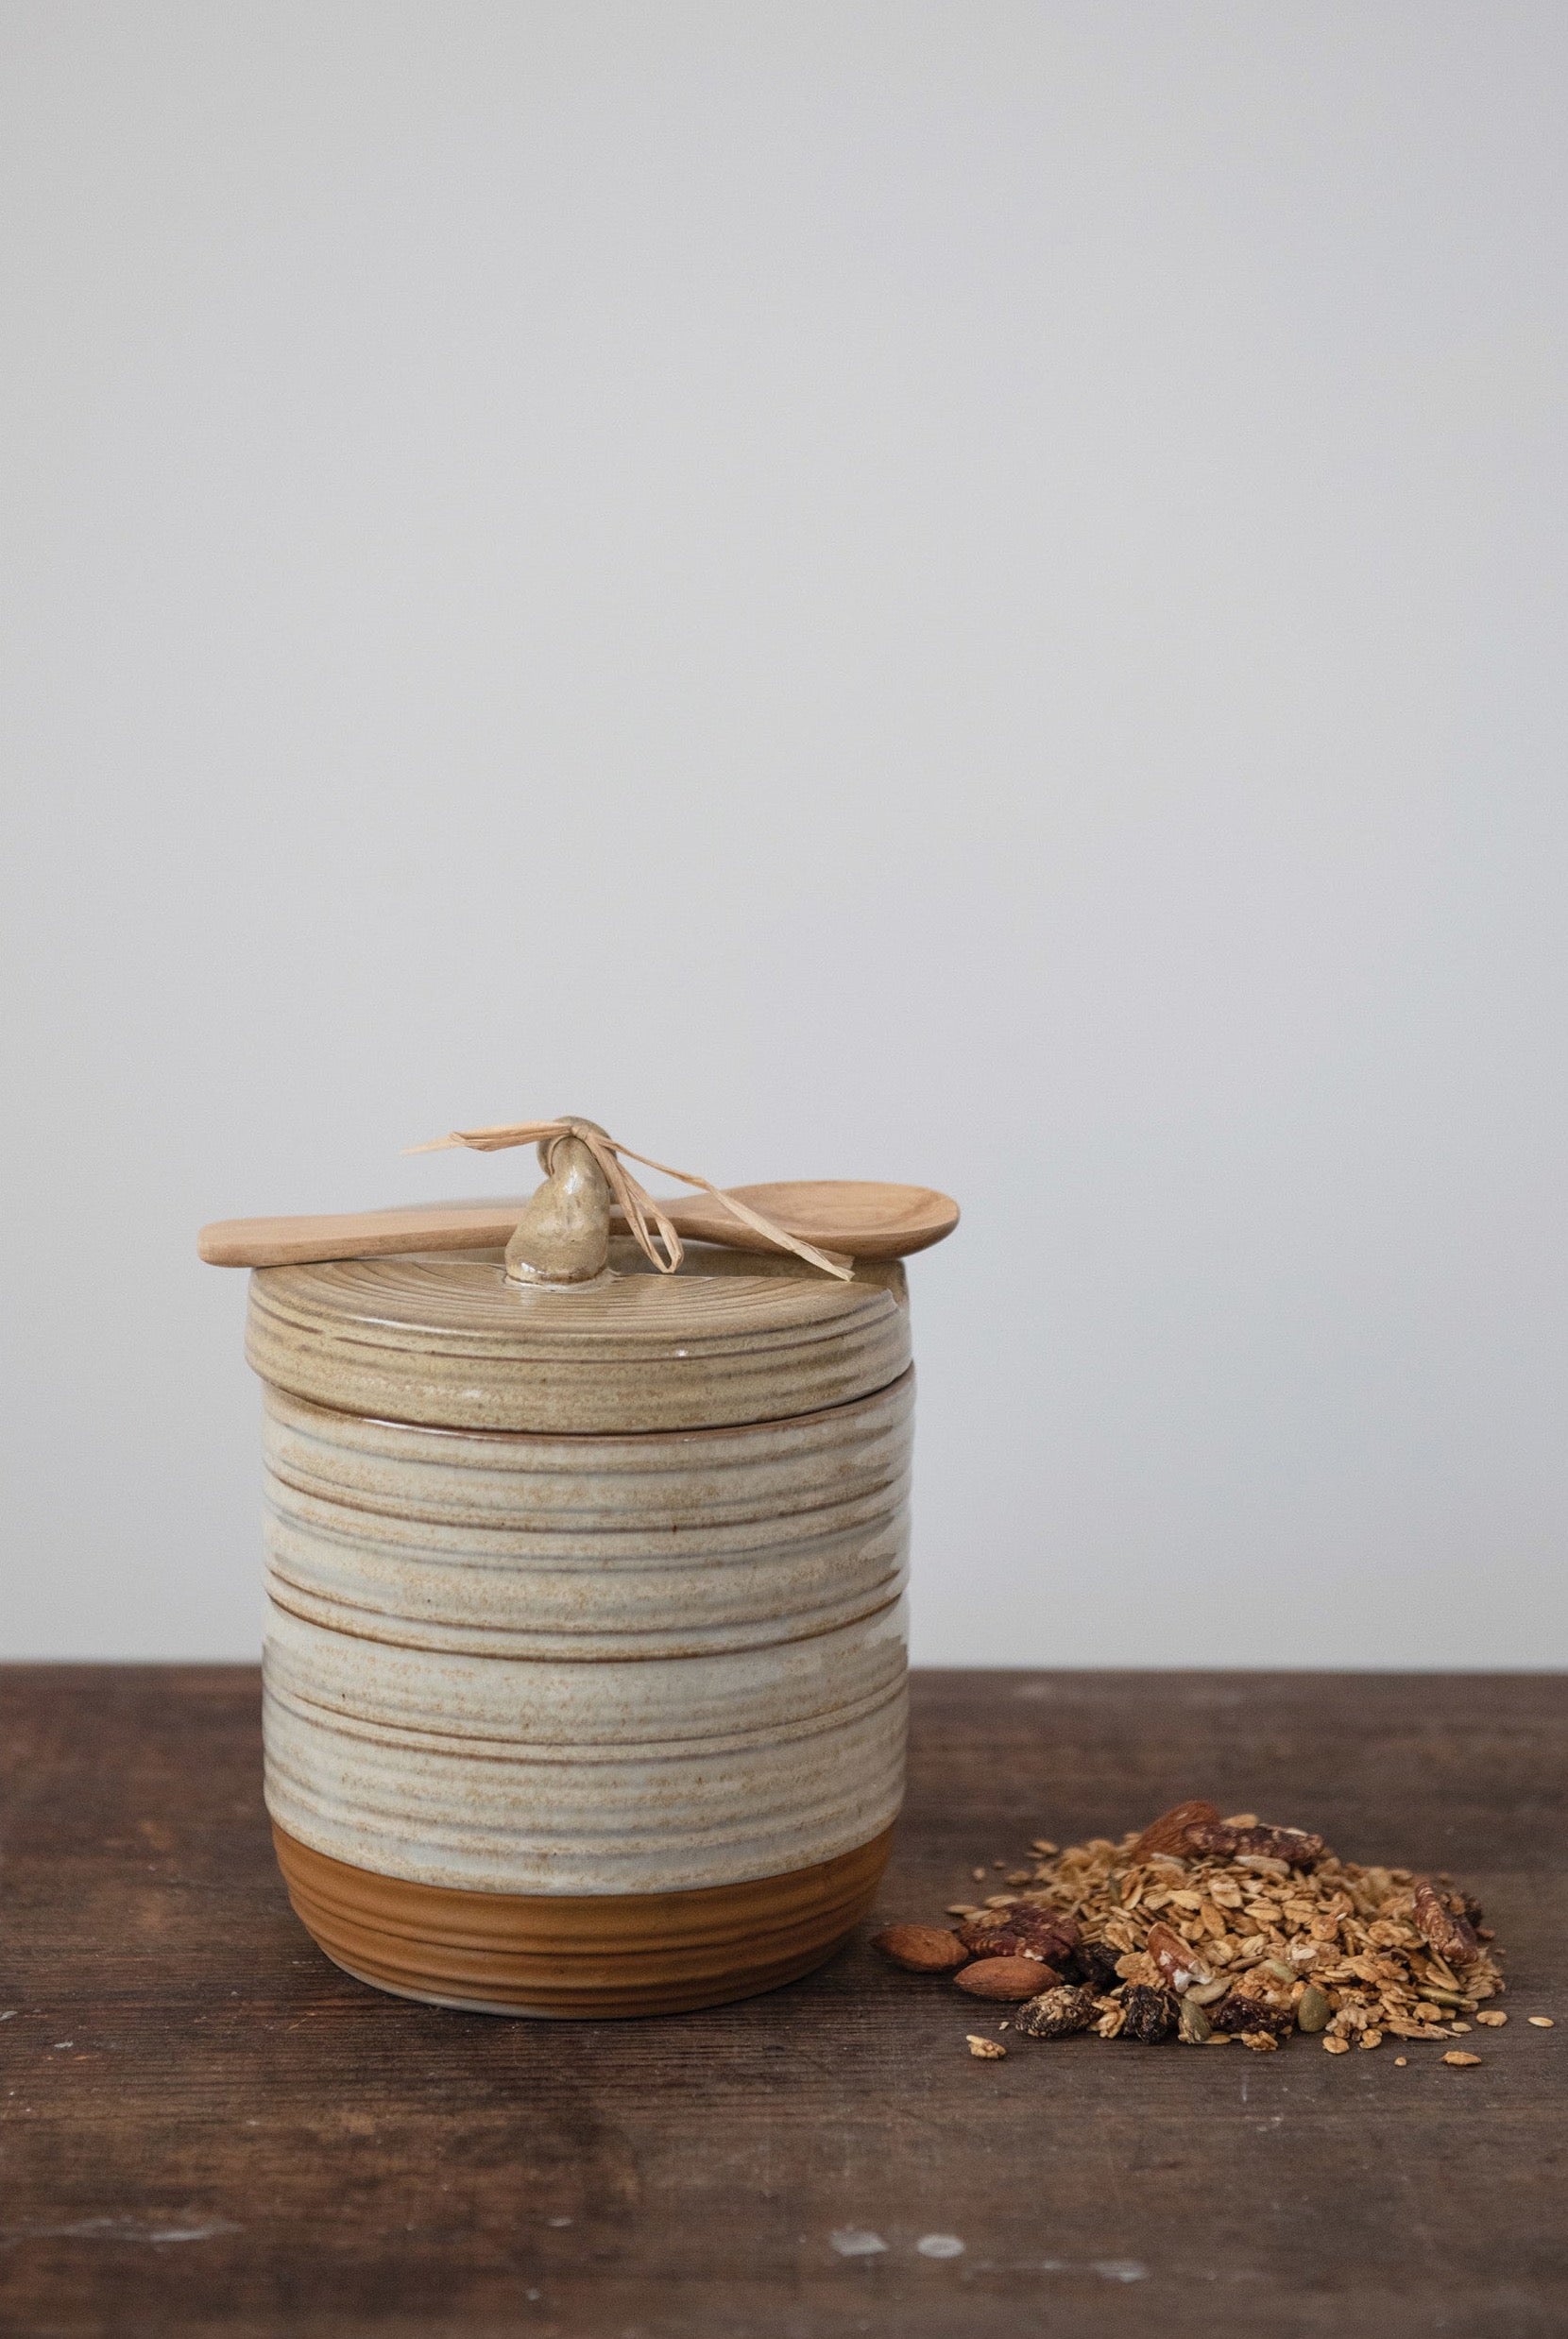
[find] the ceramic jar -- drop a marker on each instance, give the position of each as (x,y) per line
(585,1680)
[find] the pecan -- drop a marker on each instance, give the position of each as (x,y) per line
(1056,2013)
(1292,1844)
(1169,1832)
(1151,2014)
(1006,1978)
(1012,1932)
(1178,1962)
(1236,2012)
(1444,1929)
(922,1949)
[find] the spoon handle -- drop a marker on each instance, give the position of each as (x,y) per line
(377,1234)
(357,1235)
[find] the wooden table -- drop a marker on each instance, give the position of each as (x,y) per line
(208,2129)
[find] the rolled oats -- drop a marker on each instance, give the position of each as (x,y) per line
(1215,1929)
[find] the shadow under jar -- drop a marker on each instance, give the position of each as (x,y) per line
(585,1662)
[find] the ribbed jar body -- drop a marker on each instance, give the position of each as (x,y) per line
(515,1663)
(586,1668)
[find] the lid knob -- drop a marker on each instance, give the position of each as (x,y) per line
(564,1235)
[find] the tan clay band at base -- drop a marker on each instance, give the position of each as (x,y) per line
(571,1956)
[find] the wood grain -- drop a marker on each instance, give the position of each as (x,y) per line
(863,1218)
(323,2162)
(358,1234)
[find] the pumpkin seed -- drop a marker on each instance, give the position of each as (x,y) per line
(1196,2027)
(1312,2009)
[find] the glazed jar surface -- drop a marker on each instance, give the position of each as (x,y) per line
(583,1719)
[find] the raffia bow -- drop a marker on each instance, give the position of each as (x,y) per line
(648,1224)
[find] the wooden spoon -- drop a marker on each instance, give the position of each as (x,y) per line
(862,1216)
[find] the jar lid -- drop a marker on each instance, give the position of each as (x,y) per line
(447,1340)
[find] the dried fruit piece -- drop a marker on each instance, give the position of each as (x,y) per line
(985,2050)
(922,1949)
(1008,1979)
(1056,2013)
(1292,1844)
(1459,2060)
(1095,1962)
(1450,1935)
(1312,2009)
(1178,1963)
(1169,1832)
(1237,2013)
(1151,2014)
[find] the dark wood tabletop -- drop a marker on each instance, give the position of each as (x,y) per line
(208,2129)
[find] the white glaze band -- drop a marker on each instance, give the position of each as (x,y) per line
(437,1707)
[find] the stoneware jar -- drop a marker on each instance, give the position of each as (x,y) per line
(585,1680)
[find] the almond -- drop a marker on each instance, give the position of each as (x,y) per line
(1169,1832)
(1011,1979)
(922,1949)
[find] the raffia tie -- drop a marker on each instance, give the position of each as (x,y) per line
(649,1226)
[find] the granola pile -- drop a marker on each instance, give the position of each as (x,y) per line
(1208,1930)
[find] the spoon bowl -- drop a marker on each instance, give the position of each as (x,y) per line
(863,1218)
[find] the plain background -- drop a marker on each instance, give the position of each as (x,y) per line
(970,593)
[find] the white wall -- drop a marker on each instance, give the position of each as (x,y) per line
(971,592)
